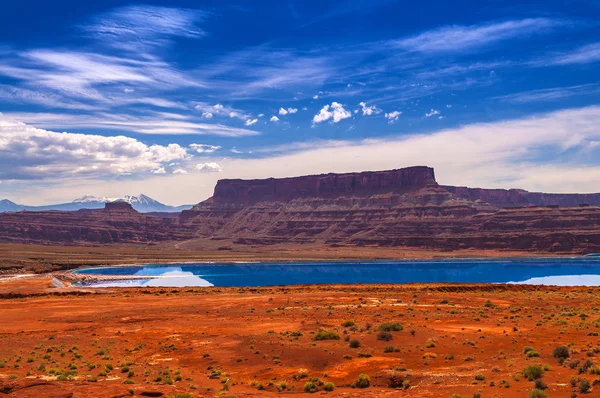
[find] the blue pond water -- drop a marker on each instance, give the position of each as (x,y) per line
(546,271)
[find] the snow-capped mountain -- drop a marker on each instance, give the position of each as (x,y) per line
(141,202)
(7,205)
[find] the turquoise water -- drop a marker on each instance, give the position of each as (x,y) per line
(579,271)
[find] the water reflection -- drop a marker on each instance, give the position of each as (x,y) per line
(548,271)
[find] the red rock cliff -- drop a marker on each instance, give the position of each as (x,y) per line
(324,185)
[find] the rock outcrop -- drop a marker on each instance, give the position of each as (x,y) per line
(503,198)
(403,208)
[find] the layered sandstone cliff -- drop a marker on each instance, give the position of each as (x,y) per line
(404,208)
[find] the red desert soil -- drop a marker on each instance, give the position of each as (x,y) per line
(231,342)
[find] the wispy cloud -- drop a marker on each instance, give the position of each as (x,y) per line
(582,55)
(457,38)
(142,27)
(159,123)
(551,94)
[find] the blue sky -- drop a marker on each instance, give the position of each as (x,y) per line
(166,98)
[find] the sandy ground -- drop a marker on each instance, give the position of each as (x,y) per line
(231,342)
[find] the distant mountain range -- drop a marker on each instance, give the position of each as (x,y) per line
(141,203)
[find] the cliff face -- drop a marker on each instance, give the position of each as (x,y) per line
(502,198)
(116,223)
(324,186)
(403,207)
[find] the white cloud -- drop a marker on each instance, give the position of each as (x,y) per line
(551,94)
(27,152)
(393,116)
(129,90)
(449,106)
(369,110)
(335,111)
(234,150)
(274,119)
(283,111)
(250,122)
(261,115)
(208,111)
(140,27)
(464,38)
(204,148)
(501,154)
(179,171)
(432,112)
(316,96)
(160,170)
(582,55)
(210,167)
(155,123)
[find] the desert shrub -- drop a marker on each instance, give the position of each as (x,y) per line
(348,324)
(323,334)
(389,348)
(586,366)
(527,349)
(540,385)
(329,386)
(354,343)
(533,354)
(363,381)
(479,377)
(384,336)
(561,353)
(537,394)
(391,327)
(310,387)
(584,386)
(533,372)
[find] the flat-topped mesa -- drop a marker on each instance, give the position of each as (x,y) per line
(324,185)
(119,207)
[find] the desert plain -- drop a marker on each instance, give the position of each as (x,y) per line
(414,340)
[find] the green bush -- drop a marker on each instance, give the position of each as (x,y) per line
(323,334)
(479,377)
(310,387)
(384,336)
(354,343)
(348,324)
(584,386)
(537,394)
(391,327)
(329,386)
(533,372)
(363,381)
(561,353)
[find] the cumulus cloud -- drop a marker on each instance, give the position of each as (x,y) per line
(208,111)
(369,110)
(283,111)
(432,112)
(179,171)
(274,119)
(210,167)
(250,122)
(316,96)
(27,152)
(392,117)
(334,112)
(204,148)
